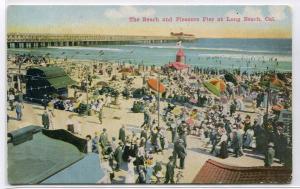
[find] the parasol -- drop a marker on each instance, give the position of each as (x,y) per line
(176,111)
(190,122)
(212,88)
(277,107)
(219,83)
(156,86)
(126,70)
(102,83)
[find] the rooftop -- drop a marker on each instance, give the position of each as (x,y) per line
(214,172)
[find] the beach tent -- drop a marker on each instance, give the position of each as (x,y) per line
(156,86)
(43,81)
(39,156)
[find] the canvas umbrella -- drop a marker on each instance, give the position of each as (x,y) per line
(126,70)
(277,107)
(219,83)
(276,83)
(212,88)
(190,122)
(102,83)
(177,111)
(272,81)
(155,85)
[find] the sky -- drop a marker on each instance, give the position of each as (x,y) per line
(114,20)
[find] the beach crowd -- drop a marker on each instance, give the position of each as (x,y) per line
(242,118)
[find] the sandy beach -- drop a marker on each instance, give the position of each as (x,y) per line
(117,115)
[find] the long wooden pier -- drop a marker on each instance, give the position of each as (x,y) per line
(33,40)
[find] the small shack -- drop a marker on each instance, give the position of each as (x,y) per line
(45,81)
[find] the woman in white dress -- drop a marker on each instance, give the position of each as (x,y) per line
(130,179)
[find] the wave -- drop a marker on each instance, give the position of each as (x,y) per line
(247,57)
(207,49)
(88,48)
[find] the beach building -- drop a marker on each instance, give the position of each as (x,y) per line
(45,81)
(179,63)
(40,156)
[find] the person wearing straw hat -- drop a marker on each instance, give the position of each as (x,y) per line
(269,155)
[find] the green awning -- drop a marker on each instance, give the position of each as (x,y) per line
(52,71)
(61,82)
(56,76)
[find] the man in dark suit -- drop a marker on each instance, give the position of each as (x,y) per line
(170,171)
(281,144)
(122,134)
(180,151)
(118,155)
(45,120)
(237,142)
(103,139)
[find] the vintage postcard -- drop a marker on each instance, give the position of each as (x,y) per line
(107,94)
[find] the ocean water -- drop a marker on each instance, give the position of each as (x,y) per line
(246,54)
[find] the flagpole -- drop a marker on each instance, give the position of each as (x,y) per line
(158,98)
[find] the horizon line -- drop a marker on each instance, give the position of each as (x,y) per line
(198,37)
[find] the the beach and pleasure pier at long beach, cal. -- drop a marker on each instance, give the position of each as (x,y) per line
(145,94)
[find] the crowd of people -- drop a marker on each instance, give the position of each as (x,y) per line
(236,122)
(135,152)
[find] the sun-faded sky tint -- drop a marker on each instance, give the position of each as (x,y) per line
(114,20)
